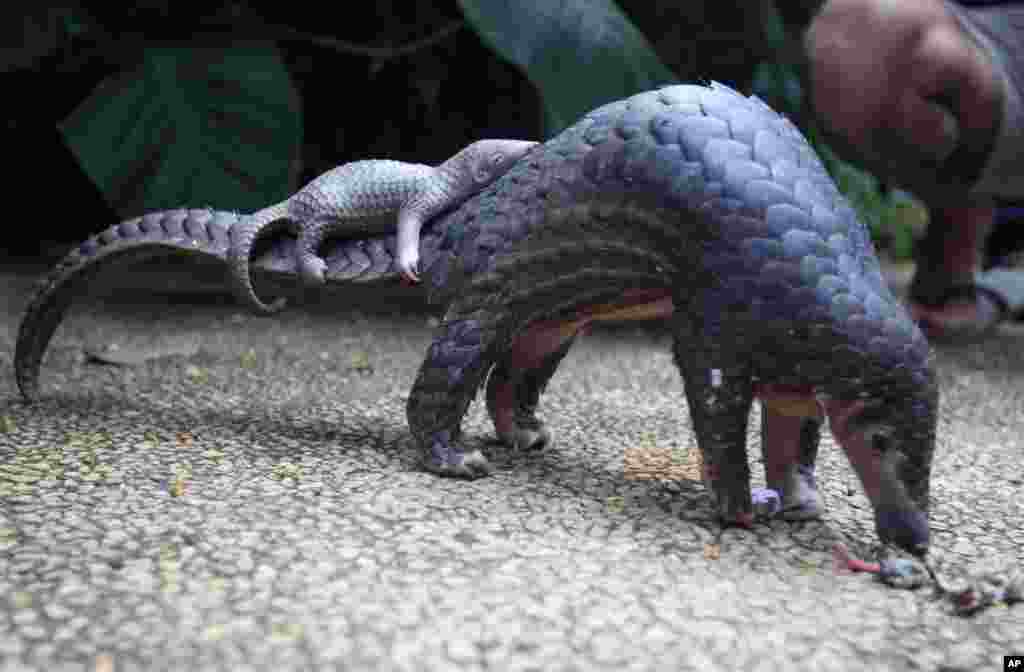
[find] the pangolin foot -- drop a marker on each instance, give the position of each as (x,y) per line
(408,267)
(447,459)
(800,497)
(313,270)
(732,499)
(525,433)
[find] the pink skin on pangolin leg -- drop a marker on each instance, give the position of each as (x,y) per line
(784,413)
(787,469)
(784,409)
(541,339)
(503,409)
(781,443)
(528,351)
(866,461)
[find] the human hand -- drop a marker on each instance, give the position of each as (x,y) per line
(905,89)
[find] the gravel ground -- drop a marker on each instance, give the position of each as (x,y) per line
(251,501)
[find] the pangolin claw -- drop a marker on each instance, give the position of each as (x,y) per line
(470,465)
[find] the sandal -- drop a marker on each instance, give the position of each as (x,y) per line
(968,313)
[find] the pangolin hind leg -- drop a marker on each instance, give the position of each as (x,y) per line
(265,224)
(517,381)
(453,370)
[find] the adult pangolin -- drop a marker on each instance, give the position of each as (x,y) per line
(691,203)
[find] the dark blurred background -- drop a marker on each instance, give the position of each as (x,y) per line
(112,111)
(398,79)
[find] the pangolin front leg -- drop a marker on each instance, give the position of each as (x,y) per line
(718,381)
(719,399)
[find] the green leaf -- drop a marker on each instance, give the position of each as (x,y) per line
(779,85)
(192,126)
(775,33)
(579,54)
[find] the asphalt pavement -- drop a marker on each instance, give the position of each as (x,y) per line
(242,494)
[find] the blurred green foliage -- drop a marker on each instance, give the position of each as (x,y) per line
(228,114)
(579,54)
